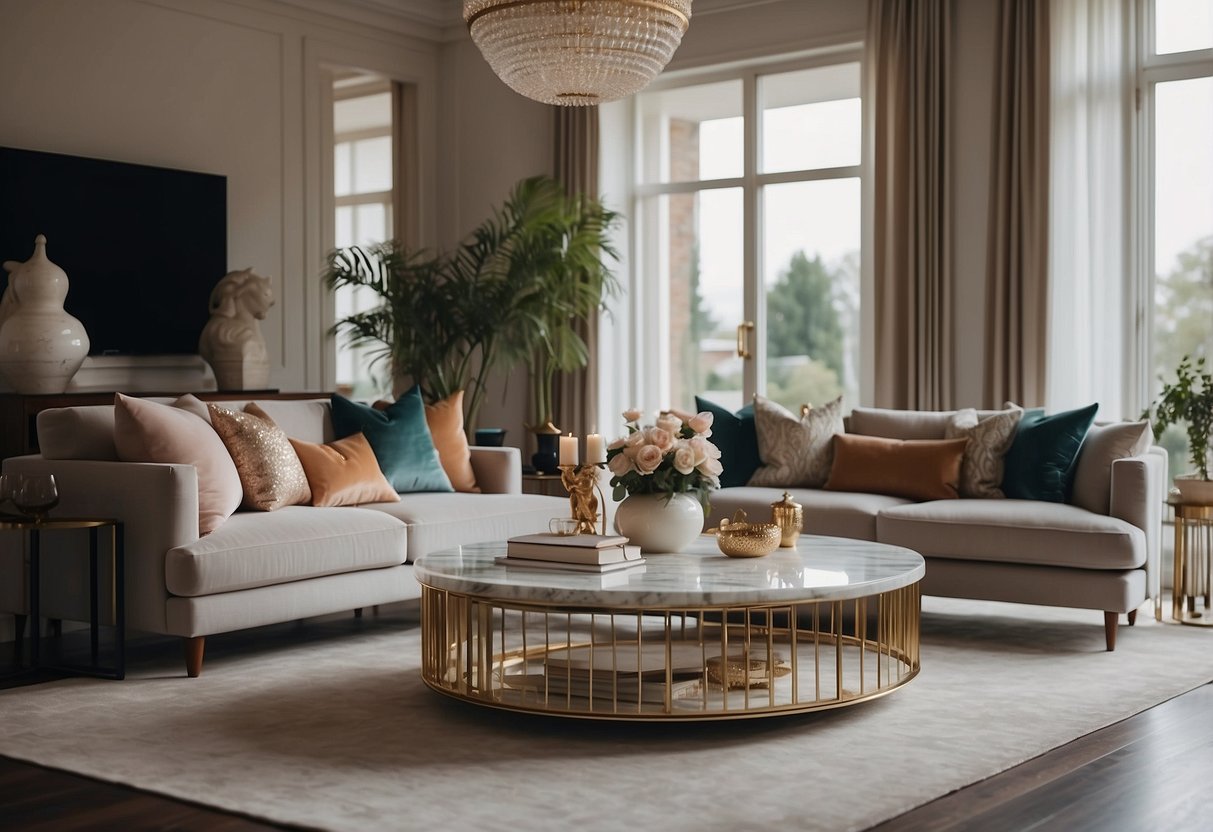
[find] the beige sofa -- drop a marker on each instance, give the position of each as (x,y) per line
(1023,551)
(257,568)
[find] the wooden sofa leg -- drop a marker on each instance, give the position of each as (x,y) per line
(1132,617)
(1110,620)
(194,649)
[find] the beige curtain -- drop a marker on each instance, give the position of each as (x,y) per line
(575,395)
(1017,286)
(404,172)
(908,89)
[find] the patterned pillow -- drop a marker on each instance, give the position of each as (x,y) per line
(269,468)
(981,469)
(796,452)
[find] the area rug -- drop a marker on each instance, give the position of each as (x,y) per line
(334,729)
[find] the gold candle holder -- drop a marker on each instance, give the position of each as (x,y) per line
(581,481)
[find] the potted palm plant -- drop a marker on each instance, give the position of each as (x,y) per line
(511,291)
(1189,400)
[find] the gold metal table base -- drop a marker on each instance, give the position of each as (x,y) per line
(706,663)
(1192,596)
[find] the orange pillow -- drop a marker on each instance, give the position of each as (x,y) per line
(445,420)
(344,473)
(917,469)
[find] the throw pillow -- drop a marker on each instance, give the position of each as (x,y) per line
(445,421)
(150,432)
(269,469)
(344,472)
(916,469)
(737,438)
(1040,462)
(990,438)
(1104,445)
(795,451)
(400,439)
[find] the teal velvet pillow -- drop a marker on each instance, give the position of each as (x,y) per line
(1040,463)
(400,438)
(737,438)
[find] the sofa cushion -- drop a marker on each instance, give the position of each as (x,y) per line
(737,438)
(917,469)
(400,438)
(445,421)
(1014,531)
(1040,462)
(835,513)
(145,431)
(343,472)
(981,470)
(1104,445)
(796,452)
(292,544)
(270,472)
(85,432)
(440,521)
(899,424)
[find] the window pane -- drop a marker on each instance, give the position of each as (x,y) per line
(810,253)
(1183,233)
(373,165)
(692,133)
(345,226)
(371,224)
(368,112)
(342,169)
(810,118)
(1182,25)
(698,255)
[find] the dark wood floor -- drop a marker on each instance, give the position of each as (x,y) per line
(1151,771)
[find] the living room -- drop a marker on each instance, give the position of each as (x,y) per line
(251,90)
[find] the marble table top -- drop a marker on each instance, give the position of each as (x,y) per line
(818,569)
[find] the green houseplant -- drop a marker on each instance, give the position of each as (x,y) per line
(1189,400)
(511,291)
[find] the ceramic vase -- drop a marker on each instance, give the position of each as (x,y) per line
(41,345)
(658,525)
(547,442)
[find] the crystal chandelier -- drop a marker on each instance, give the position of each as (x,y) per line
(577,52)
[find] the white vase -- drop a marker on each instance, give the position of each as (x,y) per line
(41,345)
(656,525)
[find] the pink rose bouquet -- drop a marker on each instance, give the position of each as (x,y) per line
(670,457)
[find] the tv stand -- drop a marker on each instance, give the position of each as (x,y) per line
(19,411)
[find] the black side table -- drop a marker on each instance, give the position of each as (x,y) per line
(33,529)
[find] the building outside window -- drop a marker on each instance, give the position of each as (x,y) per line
(747,249)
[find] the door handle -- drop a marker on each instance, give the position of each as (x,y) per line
(743,347)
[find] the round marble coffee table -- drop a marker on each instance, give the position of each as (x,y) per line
(693,635)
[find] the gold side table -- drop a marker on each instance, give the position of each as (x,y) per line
(1193,562)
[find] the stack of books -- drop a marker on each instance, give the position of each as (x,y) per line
(575,553)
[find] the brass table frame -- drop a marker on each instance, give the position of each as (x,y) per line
(1193,564)
(117,589)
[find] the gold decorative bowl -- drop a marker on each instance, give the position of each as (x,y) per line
(740,539)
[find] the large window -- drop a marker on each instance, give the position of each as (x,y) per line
(362,188)
(1177,85)
(748,221)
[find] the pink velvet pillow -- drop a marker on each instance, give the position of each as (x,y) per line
(149,432)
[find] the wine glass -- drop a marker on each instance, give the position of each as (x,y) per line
(9,483)
(37,495)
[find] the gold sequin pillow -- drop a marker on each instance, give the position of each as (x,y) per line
(270,472)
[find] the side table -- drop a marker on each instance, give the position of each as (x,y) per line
(1193,562)
(548,485)
(117,588)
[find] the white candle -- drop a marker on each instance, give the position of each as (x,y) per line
(568,450)
(595,450)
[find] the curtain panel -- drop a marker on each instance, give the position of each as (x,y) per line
(575,394)
(908,60)
(1017,269)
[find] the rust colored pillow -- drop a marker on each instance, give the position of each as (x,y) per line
(445,420)
(917,469)
(344,472)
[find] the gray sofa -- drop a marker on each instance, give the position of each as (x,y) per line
(1023,551)
(256,568)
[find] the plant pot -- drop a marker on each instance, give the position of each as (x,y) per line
(490,437)
(545,458)
(657,525)
(1193,490)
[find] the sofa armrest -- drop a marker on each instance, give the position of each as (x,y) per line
(497,470)
(1139,490)
(158,505)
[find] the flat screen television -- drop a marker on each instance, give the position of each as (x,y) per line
(142,246)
